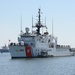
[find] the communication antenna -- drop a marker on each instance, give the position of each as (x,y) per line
(42,27)
(45,24)
(21,23)
(32,22)
(52,26)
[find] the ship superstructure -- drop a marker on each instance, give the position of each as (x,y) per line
(36,44)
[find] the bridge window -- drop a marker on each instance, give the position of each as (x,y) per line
(21,49)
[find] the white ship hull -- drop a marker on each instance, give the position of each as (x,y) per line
(61,54)
(20,52)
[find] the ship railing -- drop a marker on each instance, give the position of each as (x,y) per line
(21,44)
(63,46)
(18,44)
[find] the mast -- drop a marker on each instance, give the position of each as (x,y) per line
(38,24)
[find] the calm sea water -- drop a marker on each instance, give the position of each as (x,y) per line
(37,66)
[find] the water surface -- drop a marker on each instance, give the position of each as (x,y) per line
(37,66)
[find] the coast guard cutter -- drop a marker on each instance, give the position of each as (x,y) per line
(36,44)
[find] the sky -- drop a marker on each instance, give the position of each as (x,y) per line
(62,12)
